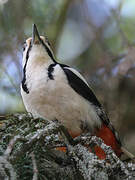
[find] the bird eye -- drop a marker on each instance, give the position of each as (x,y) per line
(24,46)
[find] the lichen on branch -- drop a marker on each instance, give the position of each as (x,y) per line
(28,151)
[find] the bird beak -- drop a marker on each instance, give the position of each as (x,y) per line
(35,35)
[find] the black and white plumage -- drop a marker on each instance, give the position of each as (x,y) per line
(56,91)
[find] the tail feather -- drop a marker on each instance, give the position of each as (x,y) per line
(109,138)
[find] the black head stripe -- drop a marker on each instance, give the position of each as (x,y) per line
(48,51)
(28,51)
(24,46)
(80,86)
(24,85)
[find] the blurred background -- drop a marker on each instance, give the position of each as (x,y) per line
(97,37)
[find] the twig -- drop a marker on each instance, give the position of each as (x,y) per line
(6,169)
(49,129)
(111,157)
(35,169)
(86,163)
(77,163)
(130,155)
(11,145)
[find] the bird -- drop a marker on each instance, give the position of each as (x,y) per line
(53,90)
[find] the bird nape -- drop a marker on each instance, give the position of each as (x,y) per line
(56,91)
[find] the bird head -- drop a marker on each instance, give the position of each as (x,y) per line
(37,47)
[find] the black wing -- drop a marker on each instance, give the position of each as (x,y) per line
(79,85)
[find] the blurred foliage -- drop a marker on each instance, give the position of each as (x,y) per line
(96,38)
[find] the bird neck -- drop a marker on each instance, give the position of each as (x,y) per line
(39,62)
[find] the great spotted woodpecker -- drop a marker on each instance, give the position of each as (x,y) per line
(56,91)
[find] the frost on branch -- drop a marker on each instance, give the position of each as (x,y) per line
(28,150)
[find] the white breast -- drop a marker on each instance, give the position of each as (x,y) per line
(55,99)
